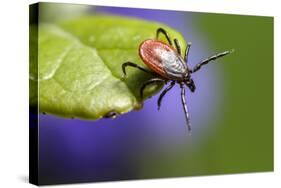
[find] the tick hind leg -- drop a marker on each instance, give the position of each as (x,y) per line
(187,118)
(130,64)
(151,81)
(164,93)
(163,31)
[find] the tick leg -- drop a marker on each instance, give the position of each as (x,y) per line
(151,81)
(164,93)
(161,30)
(187,51)
(185,107)
(177,46)
(130,64)
(212,58)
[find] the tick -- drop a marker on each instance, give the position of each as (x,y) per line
(166,63)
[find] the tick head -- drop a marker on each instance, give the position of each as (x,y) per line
(190,84)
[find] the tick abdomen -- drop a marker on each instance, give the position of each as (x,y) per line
(163,59)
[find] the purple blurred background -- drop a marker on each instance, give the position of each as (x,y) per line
(74,150)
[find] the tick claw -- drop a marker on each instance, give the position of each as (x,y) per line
(158,108)
(232,50)
(124,77)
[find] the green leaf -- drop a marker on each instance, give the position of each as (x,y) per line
(79,66)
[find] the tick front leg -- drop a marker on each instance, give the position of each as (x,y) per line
(130,64)
(161,30)
(151,81)
(187,118)
(164,93)
(177,46)
(187,51)
(212,58)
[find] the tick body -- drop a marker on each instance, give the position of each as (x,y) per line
(163,59)
(167,64)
